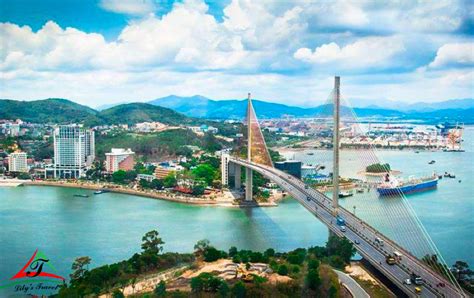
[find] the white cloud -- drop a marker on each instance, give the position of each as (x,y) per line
(130,7)
(283,51)
(454,54)
(365,52)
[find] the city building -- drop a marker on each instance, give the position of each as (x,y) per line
(74,151)
(119,159)
(146,177)
(292,167)
(17,162)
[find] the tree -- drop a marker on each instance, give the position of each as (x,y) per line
(198,189)
(144,183)
(313,281)
(196,284)
(223,289)
(160,289)
(130,176)
(211,254)
(170,180)
(283,269)
(238,290)
(157,184)
(201,246)
(118,294)
(78,267)
(233,251)
(151,243)
(23,176)
(269,252)
(119,176)
(205,172)
(313,264)
(340,247)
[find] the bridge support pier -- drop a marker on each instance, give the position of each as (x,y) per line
(248,184)
(237,177)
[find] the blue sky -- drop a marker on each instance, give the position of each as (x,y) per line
(105,51)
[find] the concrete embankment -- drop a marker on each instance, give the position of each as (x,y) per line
(160,195)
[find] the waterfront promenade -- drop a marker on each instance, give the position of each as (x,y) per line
(221,199)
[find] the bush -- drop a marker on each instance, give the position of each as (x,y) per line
(160,289)
(313,281)
(283,270)
(118,294)
(211,254)
(313,264)
(239,289)
(378,168)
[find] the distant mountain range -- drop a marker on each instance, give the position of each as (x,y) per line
(175,110)
(202,107)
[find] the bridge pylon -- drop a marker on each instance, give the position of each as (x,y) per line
(335,171)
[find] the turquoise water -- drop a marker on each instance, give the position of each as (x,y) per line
(108,227)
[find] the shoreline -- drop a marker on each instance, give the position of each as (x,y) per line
(151,194)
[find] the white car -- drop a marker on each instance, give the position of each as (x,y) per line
(407,281)
(343,229)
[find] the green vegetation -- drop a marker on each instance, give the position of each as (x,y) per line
(460,270)
(51,110)
(309,275)
(166,143)
(140,112)
(109,278)
(378,168)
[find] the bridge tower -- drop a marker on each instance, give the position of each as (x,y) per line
(335,171)
(248,171)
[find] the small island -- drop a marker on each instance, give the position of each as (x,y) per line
(379,169)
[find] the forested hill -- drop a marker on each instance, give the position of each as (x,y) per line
(51,110)
(62,111)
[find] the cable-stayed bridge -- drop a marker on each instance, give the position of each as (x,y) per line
(408,240)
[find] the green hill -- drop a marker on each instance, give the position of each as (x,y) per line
(51,110)
(140,112)
(63,111)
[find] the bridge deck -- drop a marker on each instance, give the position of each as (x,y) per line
(356,229)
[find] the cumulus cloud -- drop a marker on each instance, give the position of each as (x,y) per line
(280,48)
(129,7)
(369,51)
(454,54)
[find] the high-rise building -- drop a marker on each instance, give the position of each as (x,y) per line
(119,159)
(74,151)
(17,162)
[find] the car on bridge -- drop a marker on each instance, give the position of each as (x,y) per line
(416,279)
(379,241)
(390,260)
(343,229)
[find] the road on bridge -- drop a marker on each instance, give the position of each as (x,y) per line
(362,235)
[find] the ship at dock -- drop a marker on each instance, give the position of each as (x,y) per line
(392,186)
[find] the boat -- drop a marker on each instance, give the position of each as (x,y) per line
(392,187)
(432,162)
(449,175)
(81,196)
(345,194)
(100,191)
(417,151)
(310,153)
(360,190)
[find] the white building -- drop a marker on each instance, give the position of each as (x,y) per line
(119,159)
(74,151)
(17,162)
